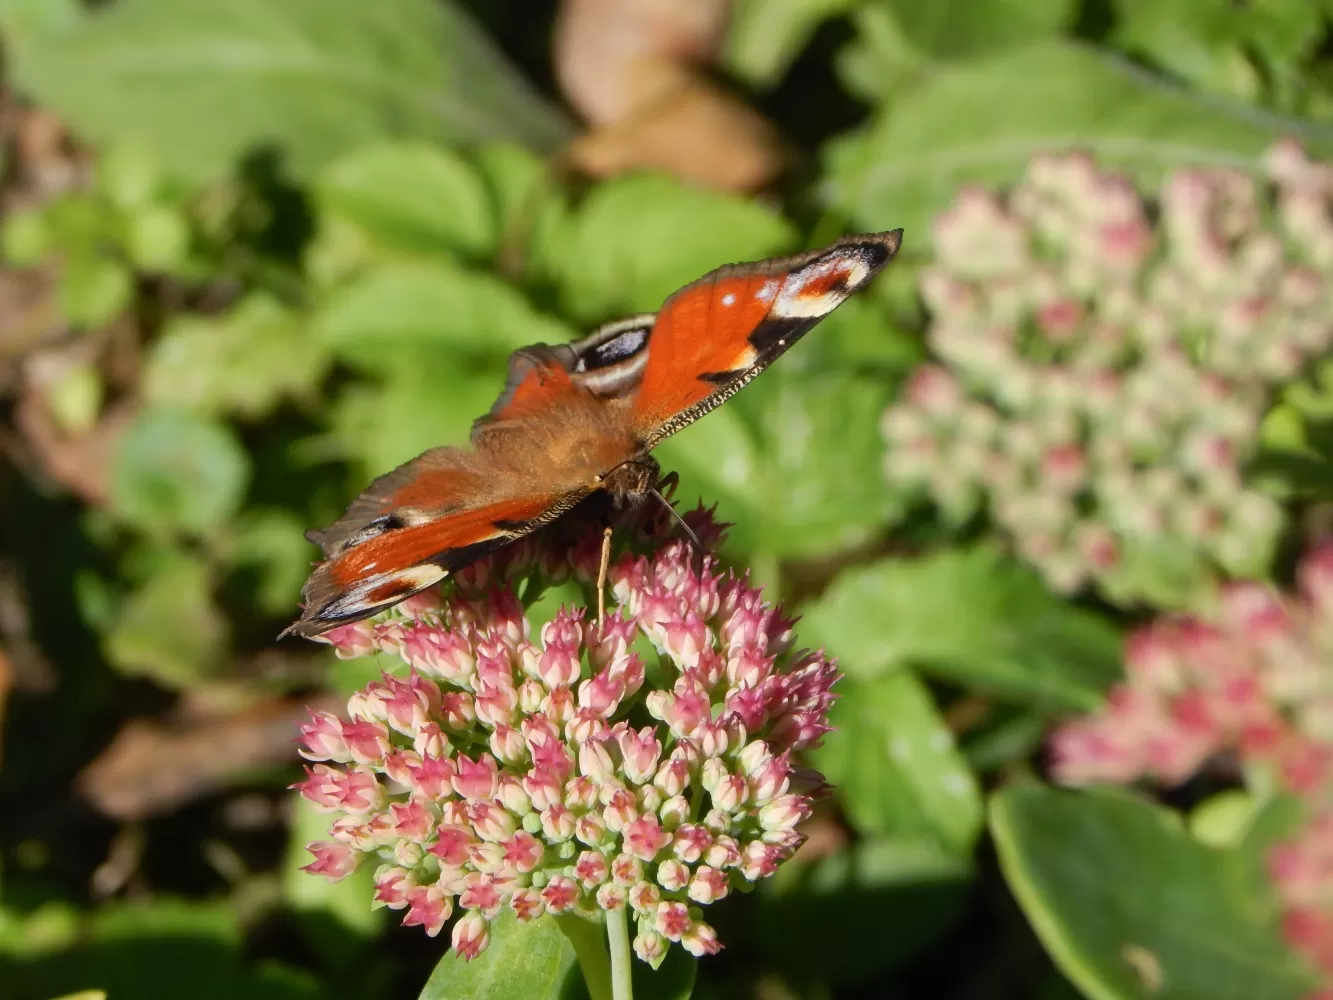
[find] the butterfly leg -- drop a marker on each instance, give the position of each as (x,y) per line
(602,570)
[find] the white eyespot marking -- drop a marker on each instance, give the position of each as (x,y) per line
(767,290)
(360,598)
(745,359)
(729,299)
(782,343)
(841,274)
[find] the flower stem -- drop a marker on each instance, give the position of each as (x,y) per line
(586,938)
(617,932)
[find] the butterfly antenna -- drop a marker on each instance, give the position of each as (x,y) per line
(680,520)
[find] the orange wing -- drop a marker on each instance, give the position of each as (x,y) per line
(401,553)
(715,335)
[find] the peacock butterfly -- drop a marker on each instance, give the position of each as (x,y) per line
(576,420)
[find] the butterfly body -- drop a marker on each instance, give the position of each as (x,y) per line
(576,420)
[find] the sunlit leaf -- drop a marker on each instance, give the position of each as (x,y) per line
(895,766)
(174,470)
(981,120)
(1129,905)
(169,628)
(410,196)
(971,615)
(242,362)
(636,240)
(200,84)
(532,961)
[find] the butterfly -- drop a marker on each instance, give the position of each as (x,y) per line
(576,420)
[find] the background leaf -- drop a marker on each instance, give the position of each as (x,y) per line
(895,766)
(952,29)
(1129,905)
(202,84)
(410,196)
(980,121)
(531,961)
(636,240)
(177,471)
(973,616)
(793,461)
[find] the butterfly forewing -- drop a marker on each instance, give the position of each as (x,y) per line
(569,416)
(714,335)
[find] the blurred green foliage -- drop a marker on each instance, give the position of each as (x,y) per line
(329,222)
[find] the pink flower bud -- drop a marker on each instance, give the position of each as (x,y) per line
(644,838)
(333,860)
(427,907)
(700,939)
(472,935)
(322,739)
(644,898)
(527,904)
(651,947)
(367,742)
(560,894)
(592,869)
(708,885)
(557,823)
(672,875)
(626,871)
(590,829)
(476,780)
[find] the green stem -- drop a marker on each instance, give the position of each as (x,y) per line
(622,972)
(589,949)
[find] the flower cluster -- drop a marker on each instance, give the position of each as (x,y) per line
(644,762)
(1257,681)
(1104,364)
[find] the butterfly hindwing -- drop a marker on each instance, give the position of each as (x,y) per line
(409,530)
(569,417)
(715,335)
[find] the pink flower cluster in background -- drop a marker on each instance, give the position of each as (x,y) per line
(1104,363)
(1256,681)
(645,764)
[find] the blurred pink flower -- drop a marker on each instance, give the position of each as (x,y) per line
(644,764)
(1103,363)
(1255,680)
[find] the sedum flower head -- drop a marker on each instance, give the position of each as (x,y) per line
(1254,680)
(646,763)
(1104,362)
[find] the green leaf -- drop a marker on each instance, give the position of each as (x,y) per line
(971,615)
(635,240)
(94,289)
(794,460)
(157,238)
(175,470)
(980,122)
(199,84)
(415,407)
(170,629)
(1206,41)
(242,362)
(530,961)
(862,910)
(410,195)
(272,542)
(895,766)
(409,309)
(766,35)
(148,949)
(1129,905)
(951,29)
